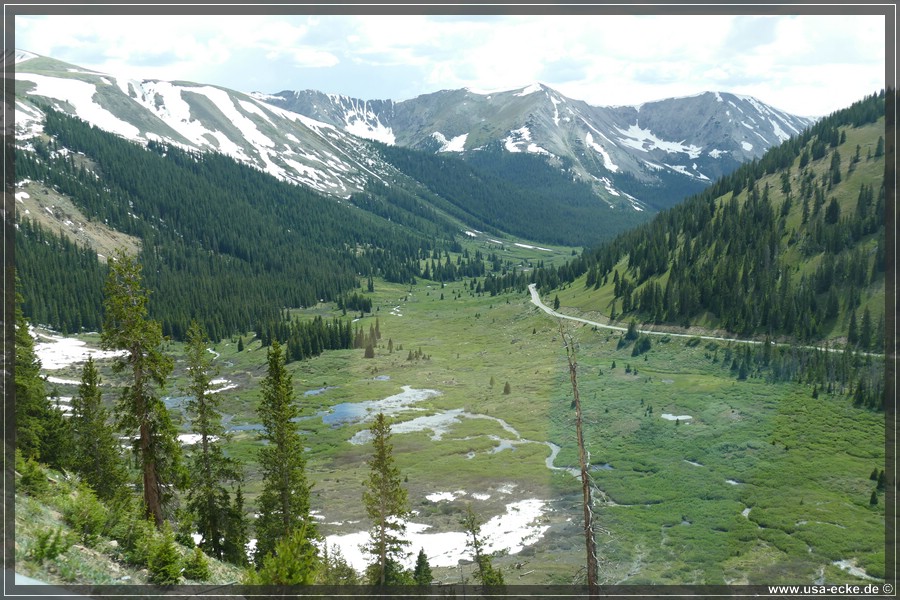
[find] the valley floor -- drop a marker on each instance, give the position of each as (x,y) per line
(700,479)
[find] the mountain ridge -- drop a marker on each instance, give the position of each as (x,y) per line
(602,145)
(643,158)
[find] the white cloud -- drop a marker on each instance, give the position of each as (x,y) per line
(791,61)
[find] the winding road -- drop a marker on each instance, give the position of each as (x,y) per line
(536,300)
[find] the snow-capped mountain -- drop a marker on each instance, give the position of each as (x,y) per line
(285,144)
(628,152)
(643,157)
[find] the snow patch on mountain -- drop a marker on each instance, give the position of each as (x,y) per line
(779,133)
(226,106)
(515,138)
(747,146)
(607,161)
(29,121)
(457,144)
(255,109)
(377,132)
(644,140)
(523,136)
(23,55)
(556,102)
(80,95)
(608,185)
(530,89)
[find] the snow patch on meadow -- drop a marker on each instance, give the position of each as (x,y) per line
(58,352)
(518,527)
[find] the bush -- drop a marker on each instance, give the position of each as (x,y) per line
(48,544)
(294,562)
(642,345)
(163,562)
(33,479)
(86,515)
(335,569)
(196,566)
(137,538)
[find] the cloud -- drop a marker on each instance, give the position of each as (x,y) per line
(602,59)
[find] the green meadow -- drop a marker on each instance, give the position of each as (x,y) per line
(762,484)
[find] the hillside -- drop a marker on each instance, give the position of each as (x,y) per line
(296,149)
(790,246)
(217,238)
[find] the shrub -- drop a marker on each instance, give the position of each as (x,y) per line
(294,562)
(137,538)
(86,515)
(49,543)
(33,479)
(163,562)
(642,345)
(196,566)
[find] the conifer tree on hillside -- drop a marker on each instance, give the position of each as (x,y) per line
(140,412)
(33,409)
(284,503)
(387,505)
(237,532)
(208,498)
(96,456)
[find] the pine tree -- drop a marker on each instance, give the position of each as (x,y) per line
(335,568)
(387,506)
(852,332)
(237,534)
(293,561)
(422,571)
(32,405)
(208,498)
(486,574)
(196,565)
(284,504)
(96,457)
(507,390)
(140,411)
(163,561)
(865,330)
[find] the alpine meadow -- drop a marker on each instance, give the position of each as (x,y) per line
(520,343)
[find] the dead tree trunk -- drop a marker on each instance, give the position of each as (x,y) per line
(590,543)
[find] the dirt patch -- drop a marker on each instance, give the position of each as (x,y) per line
(57,213)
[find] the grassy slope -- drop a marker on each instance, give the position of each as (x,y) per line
(99,563)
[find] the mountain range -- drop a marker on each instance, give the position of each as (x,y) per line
(627,153)
(640,158)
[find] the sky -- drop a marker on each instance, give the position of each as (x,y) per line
(807,65)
